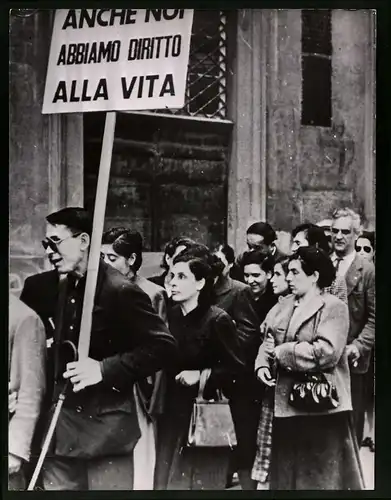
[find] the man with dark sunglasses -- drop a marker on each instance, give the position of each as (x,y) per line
(360,282)
(97,430)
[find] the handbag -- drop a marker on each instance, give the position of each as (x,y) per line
(313,393)
(211,423)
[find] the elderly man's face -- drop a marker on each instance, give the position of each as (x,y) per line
(63,248)
(343,236)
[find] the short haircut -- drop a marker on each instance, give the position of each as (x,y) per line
(260,257)
(172,246)
(283,260)
(263,229)
(315,235)
(200,251)
(76,219)
(348,212)
(201,265)
(314,259)
(228,251)
(125,242)
(369,235)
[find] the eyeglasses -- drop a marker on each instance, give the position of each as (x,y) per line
(366,249)
(53,244)
(345,232)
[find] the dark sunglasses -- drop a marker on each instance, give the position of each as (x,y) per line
(343,231)
(365,248)
(53,244)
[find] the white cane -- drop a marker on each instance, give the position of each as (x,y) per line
(47,441)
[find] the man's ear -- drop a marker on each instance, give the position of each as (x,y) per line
(85,241)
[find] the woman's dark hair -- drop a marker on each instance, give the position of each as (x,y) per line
(125,242)
(172,245)
(315,235)
(369,235)
(315,259)
(228,251)
(263,229)
(201,265)
(261,257)
(283,260)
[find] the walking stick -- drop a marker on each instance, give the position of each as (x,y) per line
(53,423)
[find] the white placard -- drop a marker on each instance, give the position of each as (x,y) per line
(117,60)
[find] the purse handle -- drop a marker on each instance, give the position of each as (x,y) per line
(205,374)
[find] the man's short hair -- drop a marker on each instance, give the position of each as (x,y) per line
(348,212)
(125,242)
(76,219)
(228,251)
(315,235)
(263,229)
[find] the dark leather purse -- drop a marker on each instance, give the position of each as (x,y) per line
(211,423)
(313,393)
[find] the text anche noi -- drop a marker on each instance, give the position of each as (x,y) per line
(118,59)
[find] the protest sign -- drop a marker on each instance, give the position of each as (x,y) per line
(117,59)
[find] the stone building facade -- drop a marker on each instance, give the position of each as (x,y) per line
(278,126)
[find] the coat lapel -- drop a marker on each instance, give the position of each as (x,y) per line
(302,315)
(353,274)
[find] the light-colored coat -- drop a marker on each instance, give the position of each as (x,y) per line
(360,283)
(299,348)
(26,371)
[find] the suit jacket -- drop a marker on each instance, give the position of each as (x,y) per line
(156,293)
(40,292)
(131,342)
(234,297)
(26,372)
(152,390)
(313,341)
(360,283)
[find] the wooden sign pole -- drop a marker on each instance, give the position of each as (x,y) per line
(96,238)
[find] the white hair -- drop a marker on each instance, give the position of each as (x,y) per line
(348,212)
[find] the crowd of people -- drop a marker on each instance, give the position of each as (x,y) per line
(287,339)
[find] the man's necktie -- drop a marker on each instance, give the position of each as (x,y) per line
(337,262)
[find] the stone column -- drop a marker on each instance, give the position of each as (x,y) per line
(247,181)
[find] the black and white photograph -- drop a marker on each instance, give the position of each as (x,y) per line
(192,248)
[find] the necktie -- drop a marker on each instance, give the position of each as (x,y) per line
(337,262)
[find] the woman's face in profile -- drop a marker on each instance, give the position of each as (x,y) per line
(364,249)
(297,279)
(278,280)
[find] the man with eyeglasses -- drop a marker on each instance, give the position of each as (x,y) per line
(360,282)
(92,447)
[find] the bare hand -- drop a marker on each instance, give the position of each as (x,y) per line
(265,376)
(353,354)
(188,377)
(83,373)
(12,401)
(14,464)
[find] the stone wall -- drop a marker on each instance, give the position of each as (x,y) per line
(45,151)
(311,170)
